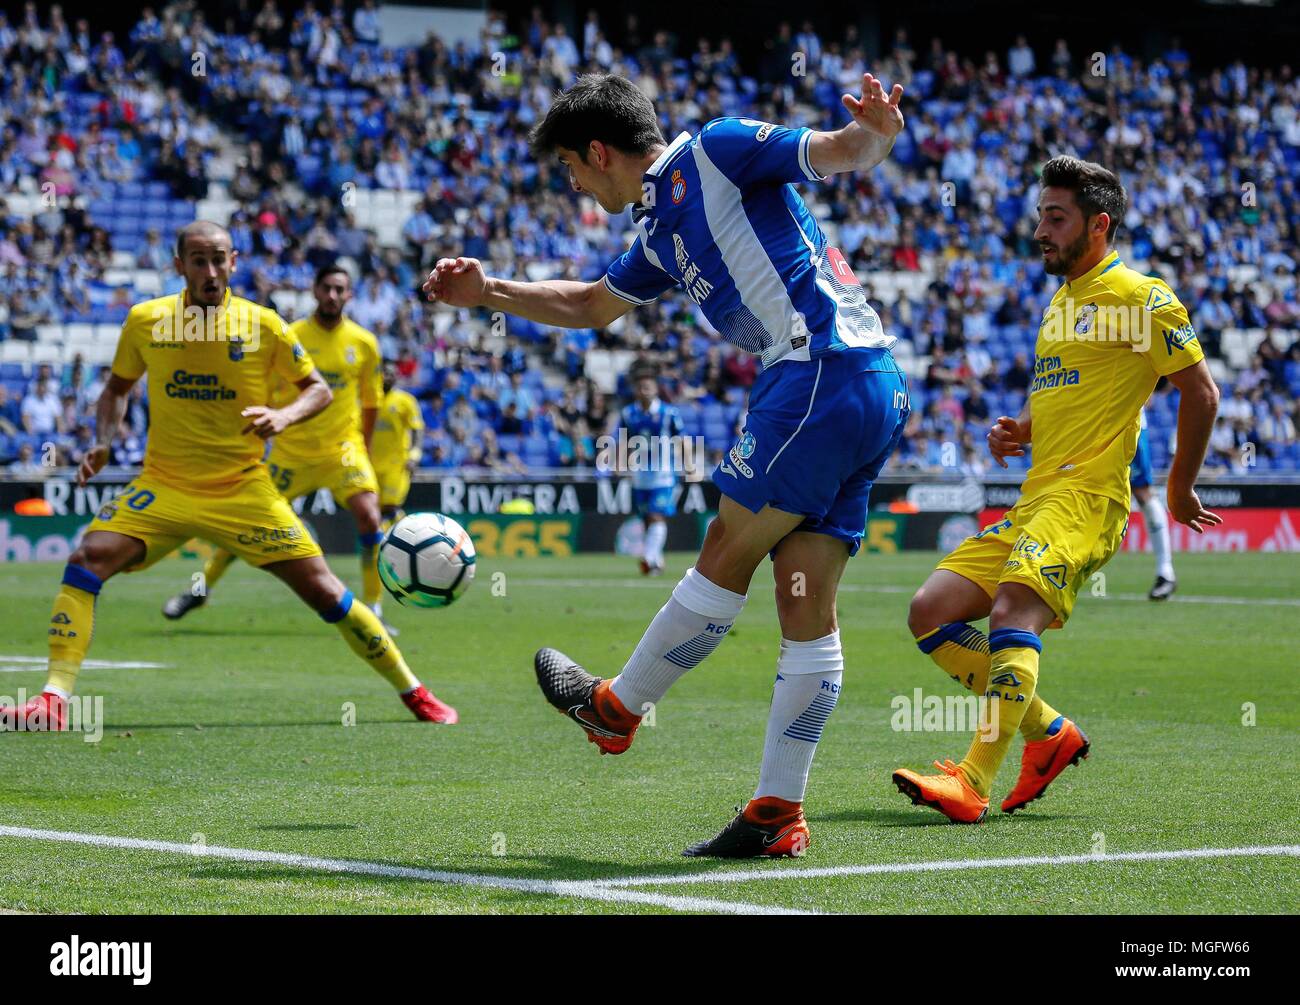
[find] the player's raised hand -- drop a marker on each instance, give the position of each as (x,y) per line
(875,111)
(91,464)
(1185,507)
(265,422)
(456,282)
(1006,439)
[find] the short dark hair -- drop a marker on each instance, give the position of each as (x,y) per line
(206,227)
(1096,189)
(329,270)
(599,106)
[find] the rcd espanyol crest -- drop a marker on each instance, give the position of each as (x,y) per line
(679,187)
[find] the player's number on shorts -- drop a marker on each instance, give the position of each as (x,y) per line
(281,476)
(140,500)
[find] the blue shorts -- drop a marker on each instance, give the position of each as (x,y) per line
(1139,471)
(815,439)
(654,501)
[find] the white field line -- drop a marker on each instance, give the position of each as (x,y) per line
(578,889)
(651,584)
(27,664)
(954,865)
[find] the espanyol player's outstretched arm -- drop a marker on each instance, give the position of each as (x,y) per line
(867,140)
(460,282)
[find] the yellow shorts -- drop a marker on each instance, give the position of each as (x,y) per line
(394,485)
(346,477)
(250,519)
(1052,544)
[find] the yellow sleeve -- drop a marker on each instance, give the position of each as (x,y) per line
(128,360)
(289,359)
(372,378)
(1170,339)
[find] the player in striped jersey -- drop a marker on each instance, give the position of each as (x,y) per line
(717,216)
(653,428)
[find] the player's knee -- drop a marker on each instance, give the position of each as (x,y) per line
(322,590)
(924,613)
(1017,606)
(369,520)
(804,616)
(97,556)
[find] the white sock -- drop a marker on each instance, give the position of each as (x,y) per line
(807,687)
(655,536)
(1158,531)
(690,626)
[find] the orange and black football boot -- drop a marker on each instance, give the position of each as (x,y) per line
(767,826)
(1043,760)
(587,700)
(948,793)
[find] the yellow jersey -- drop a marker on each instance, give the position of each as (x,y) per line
(1104,341)
(397,431)
(205,366)
(347,356)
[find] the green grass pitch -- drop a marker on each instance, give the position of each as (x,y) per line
(238,741)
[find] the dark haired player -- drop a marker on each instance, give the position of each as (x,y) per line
(1107,336)
(717,216)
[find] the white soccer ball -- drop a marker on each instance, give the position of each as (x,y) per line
(426,560)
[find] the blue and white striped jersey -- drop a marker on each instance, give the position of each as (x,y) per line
(721,220)
(661,427)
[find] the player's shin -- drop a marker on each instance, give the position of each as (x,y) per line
(368,638)
(1013,675)
(962,652)
(808,677)
(371,587)
(1158,530)
(216,567)
(695,620)
(72,623)
(655,535)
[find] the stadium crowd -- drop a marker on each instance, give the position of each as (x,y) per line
(118,141)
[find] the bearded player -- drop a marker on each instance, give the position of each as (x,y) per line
(1108,335)
(717,216)
(332,451)
(203,474)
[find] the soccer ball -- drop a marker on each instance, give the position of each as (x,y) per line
(426,560)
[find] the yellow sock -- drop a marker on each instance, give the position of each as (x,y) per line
(215,567)
(371,587)
(1013,675)
(962,652)
(72,623)
(368,638)
(1039,720)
